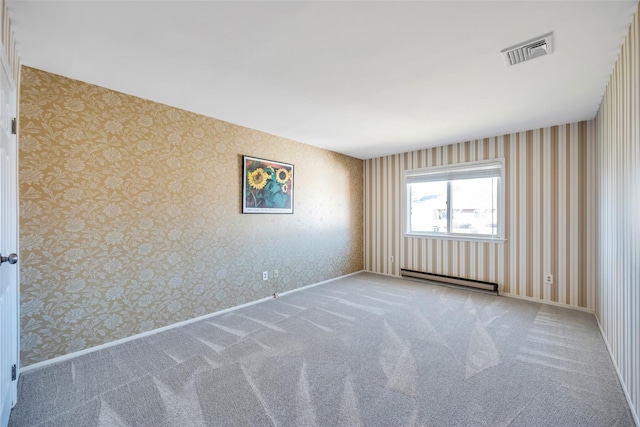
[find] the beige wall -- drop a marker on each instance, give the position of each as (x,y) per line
(130,216)
(618,140)
(550,221)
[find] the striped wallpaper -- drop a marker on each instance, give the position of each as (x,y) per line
(618,143)
(550,216)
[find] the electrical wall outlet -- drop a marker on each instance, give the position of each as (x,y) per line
(548,279)
(265,275)
(391,258)
(275,273)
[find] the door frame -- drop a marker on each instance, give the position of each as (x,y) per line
(9,111)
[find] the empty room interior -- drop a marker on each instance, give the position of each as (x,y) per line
(320,213)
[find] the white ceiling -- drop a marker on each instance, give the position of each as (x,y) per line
(361,78)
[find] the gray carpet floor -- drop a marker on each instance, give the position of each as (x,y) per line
(365,350)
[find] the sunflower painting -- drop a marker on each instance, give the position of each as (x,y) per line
(267,186)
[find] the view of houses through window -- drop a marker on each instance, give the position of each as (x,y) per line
(457,201)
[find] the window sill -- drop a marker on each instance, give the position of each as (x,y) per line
(463,237)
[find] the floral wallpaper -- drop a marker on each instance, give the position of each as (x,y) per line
(130,216)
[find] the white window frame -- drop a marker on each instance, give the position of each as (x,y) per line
(449,173)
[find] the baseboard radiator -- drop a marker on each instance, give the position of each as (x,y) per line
(457,281)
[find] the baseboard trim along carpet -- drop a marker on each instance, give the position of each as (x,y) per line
(544,301)
(625,391)
(450,280)
(366,350)
(168,327)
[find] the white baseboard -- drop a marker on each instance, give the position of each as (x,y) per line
(166,328)
(542,301)
(634,412)
(317,284)
(509,295)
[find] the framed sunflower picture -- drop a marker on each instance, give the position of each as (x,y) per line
(267,186)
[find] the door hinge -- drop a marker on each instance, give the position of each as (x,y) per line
(14,126)
(14,373)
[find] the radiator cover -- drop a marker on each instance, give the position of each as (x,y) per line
(457,281)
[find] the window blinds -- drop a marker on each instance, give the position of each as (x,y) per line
(485,170)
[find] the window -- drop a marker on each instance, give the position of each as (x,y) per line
(462,201)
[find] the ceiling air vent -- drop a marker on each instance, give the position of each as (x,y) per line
(530,49)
